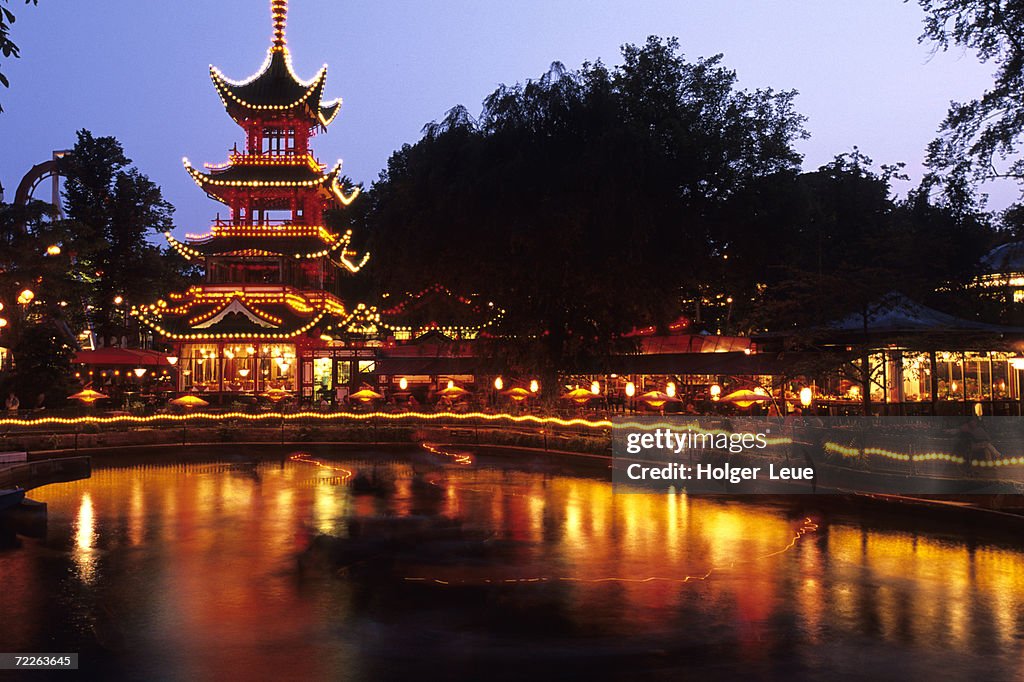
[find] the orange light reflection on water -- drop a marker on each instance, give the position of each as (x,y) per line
(206,567)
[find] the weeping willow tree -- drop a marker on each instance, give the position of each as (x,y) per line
(585,202)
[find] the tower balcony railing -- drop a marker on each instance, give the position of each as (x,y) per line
(219,223)
(262,228)
(272,158)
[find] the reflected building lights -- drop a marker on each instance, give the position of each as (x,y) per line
(753,562)
(83,553)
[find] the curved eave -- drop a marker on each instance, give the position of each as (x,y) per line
(160,327)
(328,182)
(338,192)
(329,112)
(224,247)
(244,99)
(183,249)
(350,266)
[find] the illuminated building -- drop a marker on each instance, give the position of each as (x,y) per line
(270,316)
(1000,281)
(273,269)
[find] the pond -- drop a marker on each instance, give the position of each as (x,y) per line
(321,563)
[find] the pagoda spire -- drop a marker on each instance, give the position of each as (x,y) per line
(279,12)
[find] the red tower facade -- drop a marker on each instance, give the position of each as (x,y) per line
(268,319)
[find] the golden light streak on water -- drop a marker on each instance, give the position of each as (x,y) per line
(217,581)
(83,553)
(136,513)
(672,539)
(536,510)
(463,458)
(306,458)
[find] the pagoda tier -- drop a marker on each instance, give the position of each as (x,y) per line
(301,242)
(275,91)
(233,311)
(269,307)
(274,178)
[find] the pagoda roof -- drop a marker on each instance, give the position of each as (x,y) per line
(276,89)
(230,311)
(271,176)
(437,308)
(290,241)
(296,247)
(270,244)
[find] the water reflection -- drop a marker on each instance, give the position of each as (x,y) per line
(85,536)
(194,568)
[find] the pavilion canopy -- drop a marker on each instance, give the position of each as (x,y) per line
(897,314)
(1004,260)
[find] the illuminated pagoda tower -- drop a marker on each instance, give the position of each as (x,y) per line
(268,319)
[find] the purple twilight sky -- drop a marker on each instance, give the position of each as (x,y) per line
(138,70)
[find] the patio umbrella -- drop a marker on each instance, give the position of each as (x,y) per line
(88,396)
(189,401)
(744,397)
(453,393)
(657,398)
(517,394)
(580,395)
(276,394)
(366,395)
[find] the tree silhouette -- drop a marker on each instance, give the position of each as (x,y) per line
(7,47)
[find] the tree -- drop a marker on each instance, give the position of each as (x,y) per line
(113,210)
(58,277)
(7,47)
(584,202)
(981,137)
(38,317)
(854,250)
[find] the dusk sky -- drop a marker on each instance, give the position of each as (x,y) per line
(138,71)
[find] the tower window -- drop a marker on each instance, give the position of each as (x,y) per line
(278,141)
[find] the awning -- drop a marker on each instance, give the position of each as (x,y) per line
(121,356)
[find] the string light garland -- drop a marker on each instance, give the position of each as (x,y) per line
(204,180)
(160,329)
(320,416)
(279,11)
(237,159)
(272,231)
(399,309)
(335,244)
